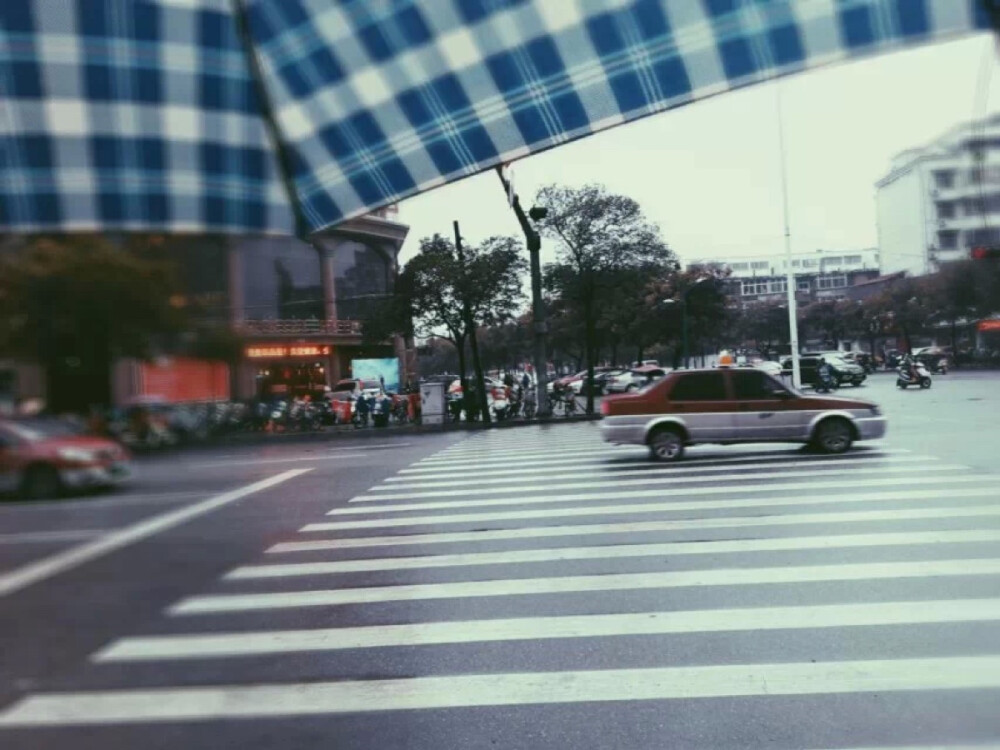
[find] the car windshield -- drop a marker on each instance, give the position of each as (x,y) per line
(34,430)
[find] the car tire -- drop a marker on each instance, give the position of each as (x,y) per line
(41,482)
(833,435)
(666,444)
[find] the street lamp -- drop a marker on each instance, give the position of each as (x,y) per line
(684,315)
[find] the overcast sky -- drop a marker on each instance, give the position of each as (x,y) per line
(708,173)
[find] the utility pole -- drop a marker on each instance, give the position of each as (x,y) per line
(793,321)
(470,326)
(534,242)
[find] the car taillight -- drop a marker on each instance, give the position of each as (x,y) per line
(605,408)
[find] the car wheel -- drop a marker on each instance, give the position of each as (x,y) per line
(666,444)
(41,483)
(833,436)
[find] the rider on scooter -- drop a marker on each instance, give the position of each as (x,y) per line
(825,374)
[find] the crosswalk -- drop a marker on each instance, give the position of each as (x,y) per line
(539,569)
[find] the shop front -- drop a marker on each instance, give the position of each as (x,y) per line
(286,371)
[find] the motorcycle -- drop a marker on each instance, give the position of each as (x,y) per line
(501,404)
(826,384)
(530,404)
(455,405)
(381,411)
(914,374)
(359,415)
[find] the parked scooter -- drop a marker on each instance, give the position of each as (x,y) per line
(381,410)
(913,373)
(501,403)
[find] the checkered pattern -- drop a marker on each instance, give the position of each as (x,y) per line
(141,114)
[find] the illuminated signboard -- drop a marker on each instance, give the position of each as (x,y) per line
(279,352)
(988,325)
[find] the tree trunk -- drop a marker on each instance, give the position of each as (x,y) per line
(590,341)
(480,383)
(459,343)
(954,340)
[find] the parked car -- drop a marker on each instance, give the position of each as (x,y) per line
(770,367)
(845,372)
(575,382)
(734,405)
(636,378)
(357,387)
(42,458)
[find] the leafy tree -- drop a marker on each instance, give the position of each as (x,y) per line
(596,235)
(76,303)
(438,294)
(762,325)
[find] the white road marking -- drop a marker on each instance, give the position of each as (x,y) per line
(520,448)
(747,489)
(60,562)
(536,532)
(260,461)
(100,502)
(200,646)
(618,551)
(609,459)
(646,478)
(600,472)
(43,537)
(527,688)
(211,603)
(633,508)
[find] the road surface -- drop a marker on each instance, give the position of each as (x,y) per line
(527,588)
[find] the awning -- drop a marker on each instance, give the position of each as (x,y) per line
(153,115)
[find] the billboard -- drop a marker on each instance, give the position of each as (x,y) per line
(374,369)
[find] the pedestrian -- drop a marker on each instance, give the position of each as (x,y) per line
(381,383)
(526,381)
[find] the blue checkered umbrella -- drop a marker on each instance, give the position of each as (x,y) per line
(277,116)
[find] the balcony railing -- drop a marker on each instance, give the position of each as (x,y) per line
(291,327)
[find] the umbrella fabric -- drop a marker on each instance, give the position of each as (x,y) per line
(145,114)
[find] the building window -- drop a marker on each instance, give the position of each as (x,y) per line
(852,259)
(946,210)
(980,206)
(362,277)
(776,287)
(948,239)
(796,263)
(759,265)
(976,237)
(810,263)
(803,286)
(831,282)
(738,266)
(833,261)
(754,287)
(281,280)
(944,179)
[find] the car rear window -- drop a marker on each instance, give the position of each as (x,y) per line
(755,385)
(699,386)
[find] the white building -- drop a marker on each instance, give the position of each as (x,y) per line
(819,274)
(940,201)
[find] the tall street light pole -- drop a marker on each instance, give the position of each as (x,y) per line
(534,242)
(684,318)
(793,322)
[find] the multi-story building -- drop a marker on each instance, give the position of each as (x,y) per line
(939,201)
(823,274)
(294,309)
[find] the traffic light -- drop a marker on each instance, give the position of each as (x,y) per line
(991,252)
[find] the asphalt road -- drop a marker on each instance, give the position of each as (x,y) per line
(525,588)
